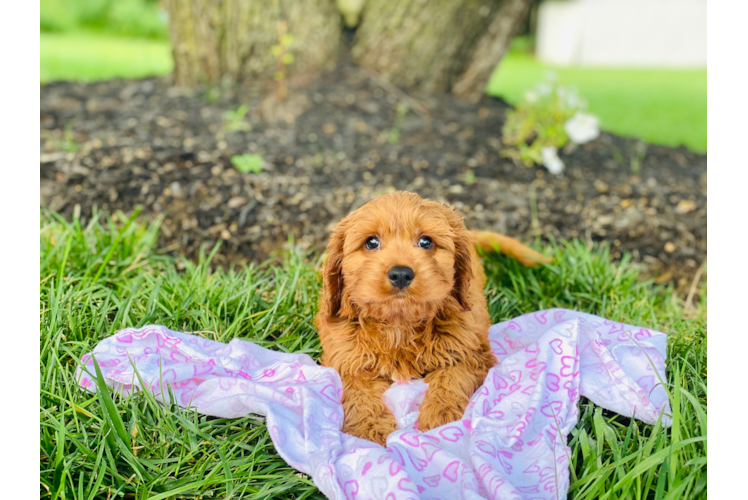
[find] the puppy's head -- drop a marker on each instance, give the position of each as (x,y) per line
(397,258)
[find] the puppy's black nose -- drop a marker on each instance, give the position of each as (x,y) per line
(401,276)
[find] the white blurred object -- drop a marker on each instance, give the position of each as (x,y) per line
(551,160)
(582,127)
(644,33)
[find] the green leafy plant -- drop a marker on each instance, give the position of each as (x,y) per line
(234,120)
(283,58)
(545,121)
(248,163)
(212,95)
(68,142)
(394,134)
(469,177)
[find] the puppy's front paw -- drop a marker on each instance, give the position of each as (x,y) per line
(435,412)
(376,429)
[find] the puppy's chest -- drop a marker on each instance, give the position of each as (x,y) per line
(401,367)
(409,359)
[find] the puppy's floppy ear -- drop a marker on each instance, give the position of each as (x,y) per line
(332,279)
(463,263)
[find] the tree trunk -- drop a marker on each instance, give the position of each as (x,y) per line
(492,46)
(437,45)
(215,40)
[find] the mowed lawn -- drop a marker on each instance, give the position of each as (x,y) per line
(83,56)
(102,275)
(659,106)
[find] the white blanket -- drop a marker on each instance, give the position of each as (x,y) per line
(510,444)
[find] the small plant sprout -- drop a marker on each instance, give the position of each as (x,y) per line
(283,58)
(68,143)
(212,95)
(639,151)
(234,120)
(248,163)
(469,177)
(400,112)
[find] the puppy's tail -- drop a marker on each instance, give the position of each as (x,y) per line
(489,242)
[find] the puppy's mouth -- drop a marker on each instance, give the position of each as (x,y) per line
(399,294)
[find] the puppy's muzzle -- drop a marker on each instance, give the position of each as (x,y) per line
(401,276)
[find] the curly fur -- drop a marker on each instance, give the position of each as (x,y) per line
(437,328)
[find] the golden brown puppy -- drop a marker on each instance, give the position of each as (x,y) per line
(403,298)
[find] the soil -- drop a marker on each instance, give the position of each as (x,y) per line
(338,143)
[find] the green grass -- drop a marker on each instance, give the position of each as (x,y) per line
(105,275)
(87,56)
(660,106)
(137,18)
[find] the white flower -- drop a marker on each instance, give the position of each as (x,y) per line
(582,127)
(551,160)
(531,96)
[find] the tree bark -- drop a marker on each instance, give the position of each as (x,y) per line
(429,45)
(216,40)
(437,45)
(492,46)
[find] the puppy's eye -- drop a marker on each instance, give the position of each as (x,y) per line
(372,243)
(425,243)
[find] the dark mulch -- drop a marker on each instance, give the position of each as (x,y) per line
(145,142)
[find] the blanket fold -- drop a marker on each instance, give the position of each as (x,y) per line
(511,442)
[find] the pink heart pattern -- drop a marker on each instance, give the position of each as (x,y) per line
(548,359)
